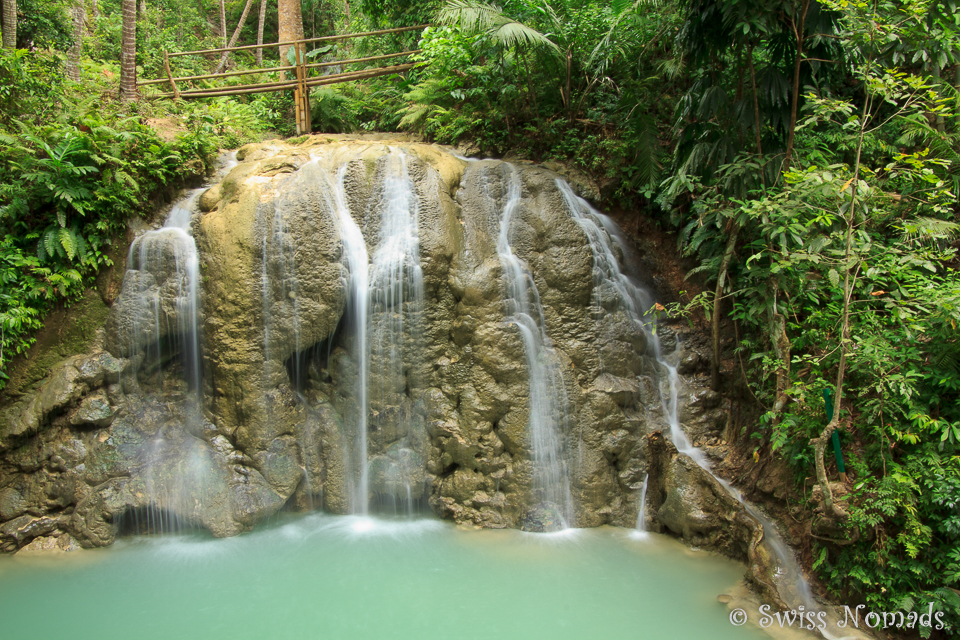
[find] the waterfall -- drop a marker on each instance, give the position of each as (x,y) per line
(384,308)
(642,514)
(547,401)
(633,299)
(394,311)
(168,291)
(165,325)
(358,296)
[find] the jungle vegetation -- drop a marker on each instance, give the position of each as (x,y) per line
(805,153)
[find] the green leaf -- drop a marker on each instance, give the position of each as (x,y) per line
(50,242)
(67,242)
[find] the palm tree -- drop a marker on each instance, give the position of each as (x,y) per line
(236,34)
(128,52)
(290,18)
(223,23)
(73,56)
(9,24)
(263,18)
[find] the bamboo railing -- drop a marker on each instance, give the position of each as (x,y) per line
(302,81)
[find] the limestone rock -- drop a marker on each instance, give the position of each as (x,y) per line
(276,416)
(94,410)
(51,544)
(623,391)
(693,505)
(64,387)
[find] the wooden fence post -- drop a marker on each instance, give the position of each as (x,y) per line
(302,93)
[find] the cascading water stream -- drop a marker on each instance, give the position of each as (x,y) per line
(633,299)
(168,286)
(395,311)
(642,514)
(358,297)
(384,306)
(547,399)
(167,259)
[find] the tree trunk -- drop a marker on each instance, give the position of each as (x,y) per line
(717,300)
(223,23)
(94,9)
(263,18)
(73,56)
(142,12)
(290,21)
(956,85)
(346,13)
(128,52)
(756,110)
(236,34)
(781,348)
(798,32)
(820,444)
(9,24)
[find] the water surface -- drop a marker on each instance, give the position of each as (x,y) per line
(323,576)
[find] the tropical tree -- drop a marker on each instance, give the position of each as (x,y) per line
(260,25)
(128,52)
(9,24)
(291,23)
(236,34)
(73,56)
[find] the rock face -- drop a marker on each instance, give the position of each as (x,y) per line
(693,505)
(417,393)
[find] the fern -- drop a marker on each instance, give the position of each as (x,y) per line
(50,242)
(68,243)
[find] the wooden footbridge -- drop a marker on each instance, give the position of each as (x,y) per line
(305,77)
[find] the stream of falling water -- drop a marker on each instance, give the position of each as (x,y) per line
(547,400)
(385,302)
(395,313)
(165,258)
(151,254)
(358,296)
(636,301)
(642,514)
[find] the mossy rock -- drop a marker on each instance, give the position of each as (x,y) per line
(67,331)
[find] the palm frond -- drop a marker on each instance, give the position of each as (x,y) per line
(946,357)
(621,6)
(513,33)
(489,19)
(470,15)
(647,159)
(924,228)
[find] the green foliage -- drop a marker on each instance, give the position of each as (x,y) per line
(499,75)
(72,173)
(30,83)
(44,24)
(169,25)
(866,209)
(399,13)
(334,111)
(489,19)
